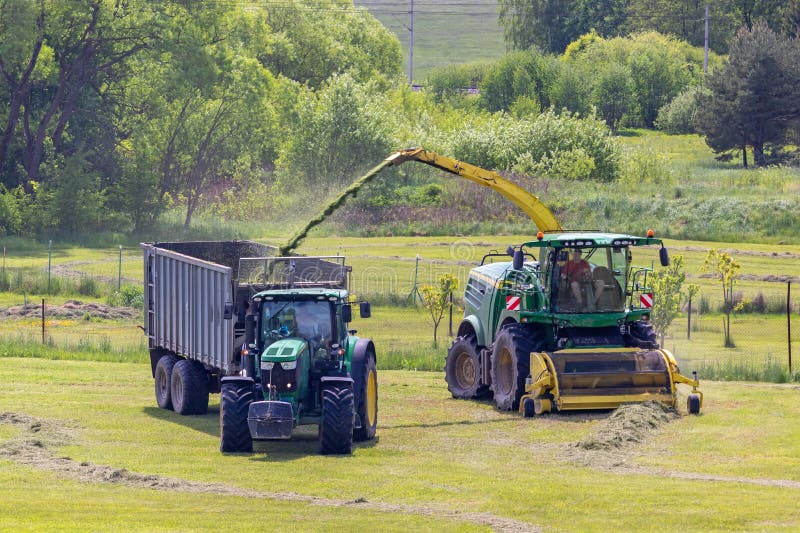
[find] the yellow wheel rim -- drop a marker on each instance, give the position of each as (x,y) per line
(372,398)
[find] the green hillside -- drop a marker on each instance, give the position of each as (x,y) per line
(446,32)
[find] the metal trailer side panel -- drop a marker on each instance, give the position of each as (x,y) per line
(186,300)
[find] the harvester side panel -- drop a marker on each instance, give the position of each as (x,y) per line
(186,300)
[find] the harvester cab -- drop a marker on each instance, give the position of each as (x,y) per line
(301,364)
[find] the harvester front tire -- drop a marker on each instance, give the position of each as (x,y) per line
(528,408)
(234,433)
(163,380)
(462,369)
(336,427)
(368,401)
(693,404)
(511,363)
(189,388)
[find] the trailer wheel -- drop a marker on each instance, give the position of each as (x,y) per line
(234,433)
(336,428)
(189,388)
(368,401)
(163,380)
(462,369)
(511,363)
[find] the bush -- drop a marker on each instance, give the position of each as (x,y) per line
(677,116)
(88,286)
(127,296)
(552,142)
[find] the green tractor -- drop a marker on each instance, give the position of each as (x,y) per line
(563,326)
(300,363)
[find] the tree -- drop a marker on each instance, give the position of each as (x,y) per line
(209,121)
(341,131)
(435,299)
(613,94)
(754,98)
(669,296)
(726,270)
(549,24)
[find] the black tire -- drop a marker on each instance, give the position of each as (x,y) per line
(234,404)
(462,369)
(189,388)
(336,428)
(163,380)
(368,401)
(642,335)
(511,363)
(693,404)
(528,408)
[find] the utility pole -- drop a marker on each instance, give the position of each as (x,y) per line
(411,44)
(705,50)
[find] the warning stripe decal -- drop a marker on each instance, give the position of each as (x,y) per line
(647,300)
(512,303)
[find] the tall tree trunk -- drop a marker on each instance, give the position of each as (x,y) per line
(758,154)
(19,88)
(744,155)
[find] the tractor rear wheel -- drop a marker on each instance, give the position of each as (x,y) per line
(336,428)
(368,401)
(163,380)
(511,363)
(189,388)
(462,369)
(234,433)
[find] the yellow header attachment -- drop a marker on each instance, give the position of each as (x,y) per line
(530,204)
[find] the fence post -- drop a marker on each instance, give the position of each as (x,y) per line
(689,321)
(119,269)
(43,321)
(789,322)
(451,314)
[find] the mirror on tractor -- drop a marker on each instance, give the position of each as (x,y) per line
(347,313)
(510,251)
(364,310)
(663,254)
(227,312)
(250,330)
(519,258)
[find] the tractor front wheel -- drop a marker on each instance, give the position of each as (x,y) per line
(336,428)
(234,433)
(511,363)
(462,369)
(368,401)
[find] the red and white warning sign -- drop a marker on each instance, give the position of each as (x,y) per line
(647,300)
(512,303)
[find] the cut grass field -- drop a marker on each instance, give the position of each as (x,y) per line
(86,449)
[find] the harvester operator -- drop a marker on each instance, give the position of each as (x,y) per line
(578,271)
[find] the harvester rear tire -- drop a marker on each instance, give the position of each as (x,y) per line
(336,427)
(234,433)
(693,404)
(511,363)
(189,388)
(163,380)
(462,369)
(368,401)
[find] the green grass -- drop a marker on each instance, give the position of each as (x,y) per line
(431,451)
